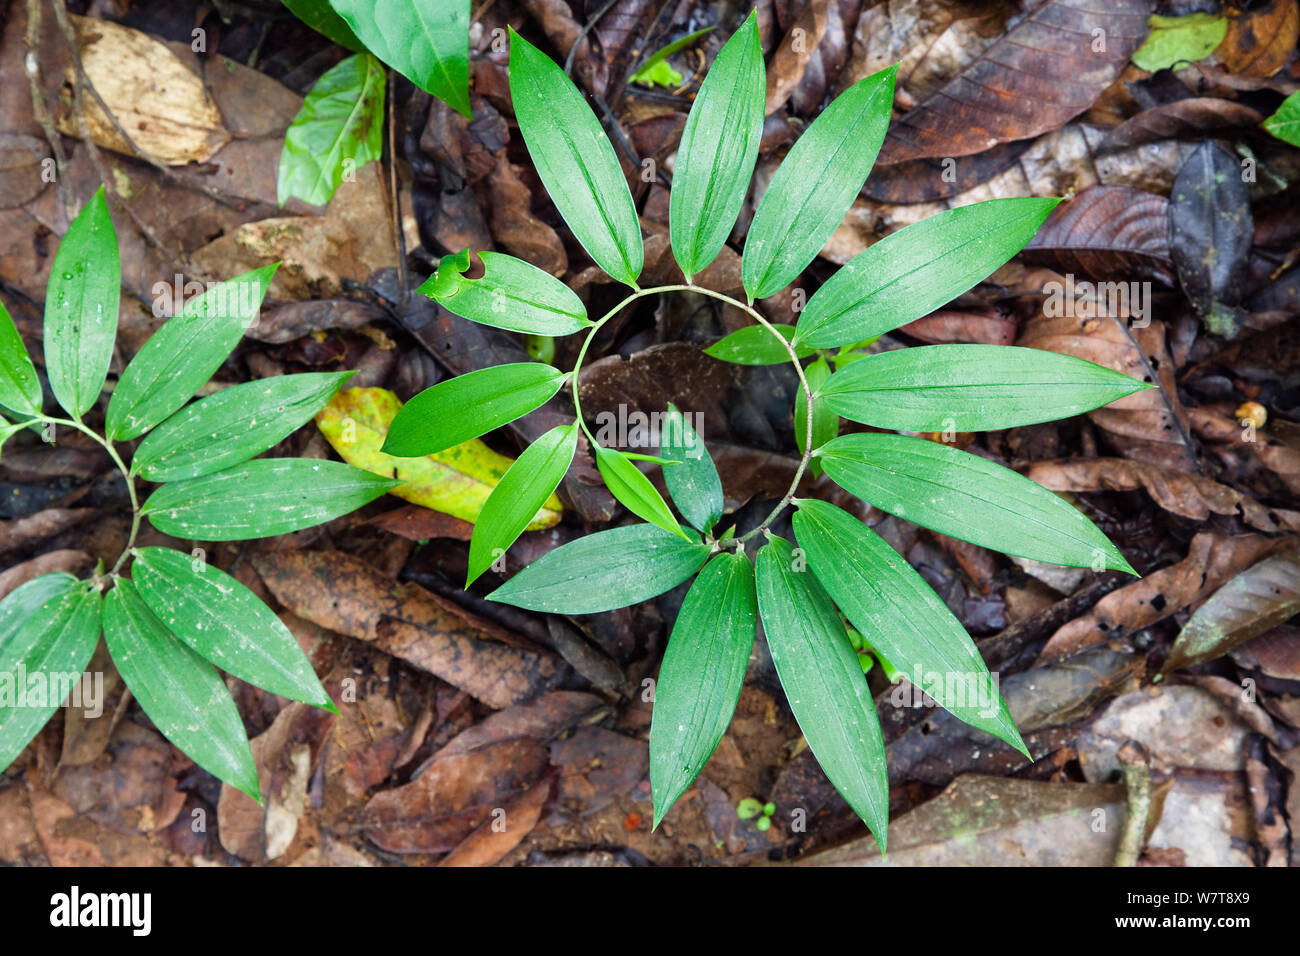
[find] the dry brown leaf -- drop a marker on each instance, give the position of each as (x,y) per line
(1260,42)
(495,838)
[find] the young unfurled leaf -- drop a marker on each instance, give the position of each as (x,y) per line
(81,308)
(825,423)
(971,388)
(48,630)
(914,271)
(815,185)
(655,69)
(320,16)
(603,571)
(626,483)
(967,497)
(232,426)
(719,147)
(341,122)
(512,294)
(901,616)
(693,483)
(755,345)
(575,161)
(260,498)
(427,41)
(20,389)
(470,405)
(181,356)
(701,676)
(823,682)
(180,692)
(519,497)
(225,623)
(1285,123)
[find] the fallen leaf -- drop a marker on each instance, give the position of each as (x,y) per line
(1107,231)
(1259,42)
(496,837)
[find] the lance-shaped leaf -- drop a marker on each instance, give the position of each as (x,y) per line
(971,388)
(320,16)
(901,616)
(260,498)
(232,426)
(48,631)
(815,185)
(719,147)
(511,294)
(825,423)
(470,405)
(755,345)
(20,389)
(181,356)
(180,692)
(823,682)
(914,271)
(701,676)
(575,161)
(427,41)
(693,483)
(81,308)
(520,496)
(967,497)
(603,571)
(339,129)
(626,483)
(225,623)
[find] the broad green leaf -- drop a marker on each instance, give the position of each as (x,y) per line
(605,570)
(341,122)
(427,41)
(914,271)
(511,294)
(232,426)
(755,345)
(1285,123)
(226,623)
(20,389)
(816,184)
(81,303)
(967,497)
(825,423)
(181,356)
(626,483)
(901,616)
(179,691)
(261,498)
(701,676)
(693,484)
(1184,40)
(575,161)
(519,497)
(320,16)
(719,147)
(823,682)
(48,631)
(470,405)
(971,388)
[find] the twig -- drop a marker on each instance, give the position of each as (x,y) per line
(399,236)
(1137,781)
(582,35)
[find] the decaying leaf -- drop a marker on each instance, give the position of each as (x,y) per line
(1107,232)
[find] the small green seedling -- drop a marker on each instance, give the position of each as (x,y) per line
(749,809)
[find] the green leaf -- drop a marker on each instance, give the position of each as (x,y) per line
(575,161)
(519,496)
(755,345)
(427,41)
(816,184)
(914,271)
(20,389)
(81,308)
(512,294)
(655,70)
(233,425)
(461,408)
(967,497)
(261,498)
(825,423)
(719,147)
(901,616)
(179,691)
(701,676)
(1285,123)
(48,631)
(320,16)
(181,356)
(823,682)
(693,484)
(1180,40)
(971,388)
(603,571)
(626,483)
(225,623)
(341,122)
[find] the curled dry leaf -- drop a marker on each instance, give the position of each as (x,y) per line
(494,839)
(1105,232)
(1194,117)
(1275,653)
(793,57)
(1278,457)
(515,227)
(1260,42)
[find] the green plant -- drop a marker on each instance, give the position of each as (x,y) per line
(839,560)
(175,616)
